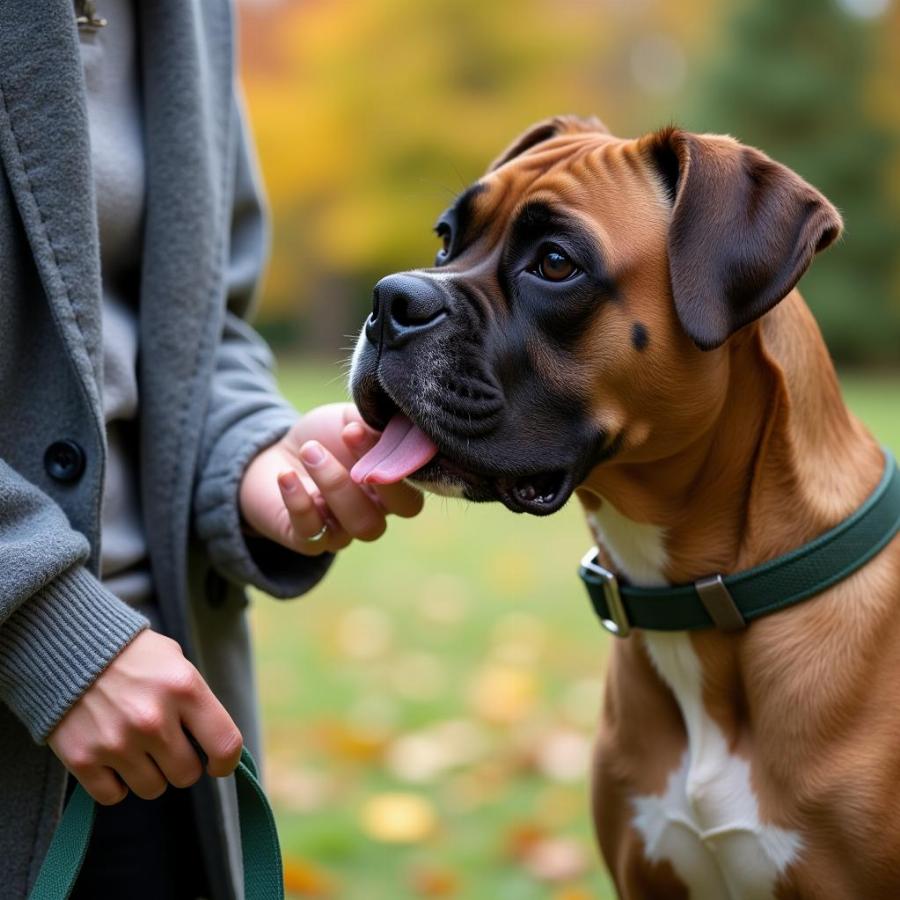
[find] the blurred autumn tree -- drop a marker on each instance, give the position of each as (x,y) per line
(371,116)
(803,80)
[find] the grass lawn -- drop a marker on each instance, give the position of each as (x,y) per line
(428,708)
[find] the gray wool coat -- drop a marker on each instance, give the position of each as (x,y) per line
(208,400)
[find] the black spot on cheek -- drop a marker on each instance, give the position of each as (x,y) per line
(640,337)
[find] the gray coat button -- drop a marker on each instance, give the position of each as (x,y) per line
(64,461)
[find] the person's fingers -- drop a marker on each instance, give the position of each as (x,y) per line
(142,776)
(178,760)
(102,784)
(308,513)
(353,508)
(214,730)
(304,519)
(400,499)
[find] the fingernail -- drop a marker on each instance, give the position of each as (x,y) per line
(288,482)
(312,453)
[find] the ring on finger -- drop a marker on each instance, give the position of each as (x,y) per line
(318,536)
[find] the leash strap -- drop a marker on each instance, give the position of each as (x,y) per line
(729,602)
(261,853)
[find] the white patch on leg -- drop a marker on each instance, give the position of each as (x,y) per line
(706,823)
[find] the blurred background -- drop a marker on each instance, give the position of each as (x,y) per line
(429,707)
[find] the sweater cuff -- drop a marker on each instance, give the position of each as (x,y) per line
(238,556)
(56,644)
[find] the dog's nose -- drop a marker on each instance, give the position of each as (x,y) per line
(404,307)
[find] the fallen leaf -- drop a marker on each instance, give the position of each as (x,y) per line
(564,756)
(503,694)
(556,859)
(425,755)
(305,879)
(434,882)
(522,838)
(463,740)
(349,742)
(476,787)
(574,893)
(398,818)
(416,758)
(297,788)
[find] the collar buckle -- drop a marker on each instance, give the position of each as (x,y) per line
(617,624)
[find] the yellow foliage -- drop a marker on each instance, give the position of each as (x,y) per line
(370,117)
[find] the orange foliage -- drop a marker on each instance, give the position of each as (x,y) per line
(370,117)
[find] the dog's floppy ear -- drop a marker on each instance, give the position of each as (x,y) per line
(543,131)
(743,230)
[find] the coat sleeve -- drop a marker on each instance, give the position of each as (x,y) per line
(59,627)
(246,413)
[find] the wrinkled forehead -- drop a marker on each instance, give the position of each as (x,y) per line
(596,178)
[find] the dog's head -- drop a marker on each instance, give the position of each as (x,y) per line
(579,309)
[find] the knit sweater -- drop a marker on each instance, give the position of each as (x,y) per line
(112,81)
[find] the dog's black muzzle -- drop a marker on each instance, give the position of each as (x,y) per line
(430,353)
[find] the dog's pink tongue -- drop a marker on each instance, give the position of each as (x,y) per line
(401,449)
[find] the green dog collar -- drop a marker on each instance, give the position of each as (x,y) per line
(729,602)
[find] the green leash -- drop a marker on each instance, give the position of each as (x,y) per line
(261,853)
(730,602)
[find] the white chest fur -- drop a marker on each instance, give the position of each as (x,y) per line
(706,823)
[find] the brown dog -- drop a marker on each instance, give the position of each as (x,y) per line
(604,318)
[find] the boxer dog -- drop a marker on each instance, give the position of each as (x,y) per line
(618,319)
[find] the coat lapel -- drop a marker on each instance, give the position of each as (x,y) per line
(190,129)
(45,154)
(187,75)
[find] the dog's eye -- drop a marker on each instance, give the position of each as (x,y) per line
(445,235)
(554,265)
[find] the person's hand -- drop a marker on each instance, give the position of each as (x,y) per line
(293,488)
(127,731)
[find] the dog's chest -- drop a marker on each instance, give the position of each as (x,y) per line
(706,823)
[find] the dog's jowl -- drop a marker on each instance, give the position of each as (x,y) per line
(619,319)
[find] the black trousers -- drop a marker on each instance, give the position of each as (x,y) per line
(145,850)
